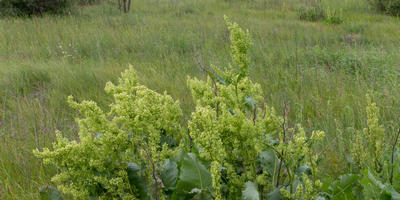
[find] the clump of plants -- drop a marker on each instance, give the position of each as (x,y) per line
(312,13)
(391,7)
(315,11)
(373,161)
(375,154)
(250,148)
(234,146)
(334,16)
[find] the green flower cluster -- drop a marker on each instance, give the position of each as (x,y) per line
(232,126)
(368,149)
(108,142)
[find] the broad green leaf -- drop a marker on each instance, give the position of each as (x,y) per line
(295,186)
(275,194)
(49,193)
(374,181)
(250,103)
(268,161)
(390,193)
(201,194)
(178,156)
(194,174)
(169,174)
(320,198)
(137,181)
(250,191)
(169,141)
(304,169)
(273,142)
(221,80)
(386,191)
(346,187)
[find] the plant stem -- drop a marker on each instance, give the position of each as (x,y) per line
(284,140)
(190,140)
(153,169)
(254,115)
(210,71)
(393,149)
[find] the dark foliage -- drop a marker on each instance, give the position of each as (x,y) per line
(391,7)
(33,7)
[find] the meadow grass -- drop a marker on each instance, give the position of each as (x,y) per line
(322,71)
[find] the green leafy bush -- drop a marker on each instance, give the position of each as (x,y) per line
(234,146)
(33,7)
(233,127)
(391,7)
(234,143)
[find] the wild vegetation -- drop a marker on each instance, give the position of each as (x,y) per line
(391,7)
(278,111)
(32,7)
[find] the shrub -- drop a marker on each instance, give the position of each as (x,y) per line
(33,7)
(234,146)
(391,7)
(233,143)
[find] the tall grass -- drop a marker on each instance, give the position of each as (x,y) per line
(322,71)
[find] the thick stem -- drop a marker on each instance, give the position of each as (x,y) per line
(254,116)
(153,168)
(284,128)
(204,69)
(393,149)
(216,95)
(190,140)
(262,192)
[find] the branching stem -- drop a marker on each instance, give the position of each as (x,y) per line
(153,169)
(393,151)
(284,129)
(210,71)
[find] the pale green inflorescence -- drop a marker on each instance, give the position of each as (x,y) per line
(131,132)
(375,134)
(298,153)
(368,146)
(231,125)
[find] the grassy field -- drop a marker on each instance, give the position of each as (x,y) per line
(322,71)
